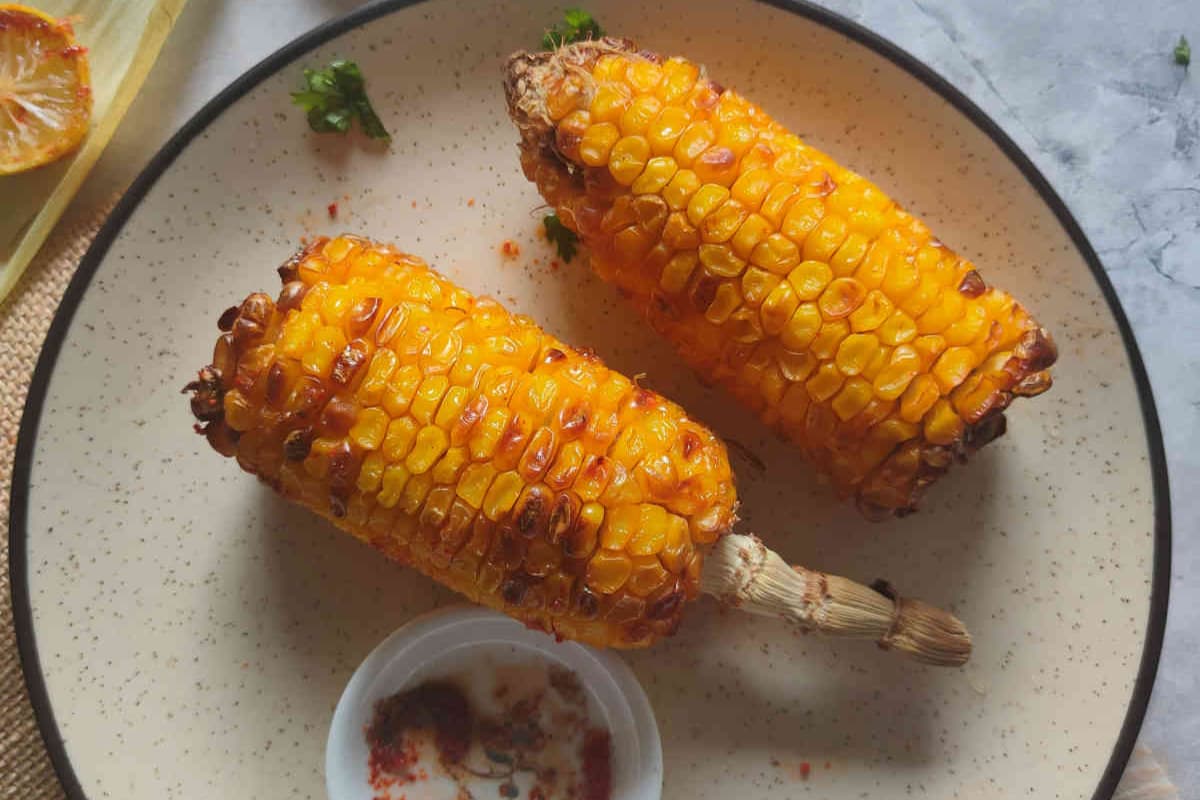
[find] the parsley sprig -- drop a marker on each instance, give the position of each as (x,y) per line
(334,96)
(576,26)
(564,239)
(1183,52)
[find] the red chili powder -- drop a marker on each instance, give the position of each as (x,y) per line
(434,705)
(597,765)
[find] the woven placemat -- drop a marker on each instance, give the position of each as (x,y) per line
(25,771)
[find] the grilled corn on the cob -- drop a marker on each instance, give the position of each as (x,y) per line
(463,439)
(795,283)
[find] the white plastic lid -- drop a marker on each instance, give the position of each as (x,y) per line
(443,643)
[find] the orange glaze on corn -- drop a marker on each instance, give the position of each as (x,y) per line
(795,283)
(467,442)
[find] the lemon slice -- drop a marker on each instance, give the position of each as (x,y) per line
(45,89)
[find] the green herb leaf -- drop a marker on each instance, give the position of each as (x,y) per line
(1183,52)
(577,25)
(563,237)
(333,97)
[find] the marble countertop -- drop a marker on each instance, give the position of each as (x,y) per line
(1087,89)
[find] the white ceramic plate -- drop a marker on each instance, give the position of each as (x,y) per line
(187,634)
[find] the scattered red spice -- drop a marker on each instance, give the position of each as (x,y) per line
(436,705)
(805,769)
(414,203)
(510,249)
(470,202)
(554,265)
(597,765)
(332,209)
(73,51)
(828,765)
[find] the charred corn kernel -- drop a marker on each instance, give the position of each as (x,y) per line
(597,143)
(369,429)
(814,257)
(853,398)
(679,191)
(855,353)
(802,328)
(902,367)
(647,575)
(628,158)
(829,338)
(707,199)
(898,328)
(918,398)
(825,383)
(608,570)
(658,173)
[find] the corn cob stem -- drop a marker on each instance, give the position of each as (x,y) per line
(741,572)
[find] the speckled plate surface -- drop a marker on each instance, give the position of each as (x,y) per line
(187,634)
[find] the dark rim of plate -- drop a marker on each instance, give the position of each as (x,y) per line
(272,64)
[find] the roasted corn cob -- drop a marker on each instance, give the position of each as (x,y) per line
(793,282)
(467,442)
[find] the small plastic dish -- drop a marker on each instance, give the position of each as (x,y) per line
(448,641)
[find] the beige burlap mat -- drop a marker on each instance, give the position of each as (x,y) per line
(25,771)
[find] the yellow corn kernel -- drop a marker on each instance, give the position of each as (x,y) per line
(327,343)
(678,269)
(431,442)
(778,307)
(473,486)
(581,539)
(737,135)
(793,162)
(644,76)
(918,398)
(841,298)
(369,429)
(802,327)
(428,397)
(447,470)
(825,382)
(757,284)
(487,433)
(751,233)
(597,143)
(414,494)
(719,260)
(825,238)
(777,202)
(882,439)
(897,329)
(852,399)
(750,189)
(665,129)
(717,164)
(849,260)
(947,310)
(724,303)
(874,311)
(632,244)
(943,425)
(801,219)
(776,253)
(744,327)
(720,225)
(695,139)
(401,433)
(336,303)
(855,353)
(610,67)
(658,173)
(628,158)
(707,199)
(902,275)
(370,474)
(394,480)
(829,338)
(647,575)
(968,327)
(383,364)
(639,114)
(571,129)
(929,348)
(451,407)
(502,495)
(809,279)
(902,367)
(620,524)
(607,571)
(679,234)
(401,389)
(953,367)
(678,193)
(609,102)
(920,299)
(296,338)
(677,83)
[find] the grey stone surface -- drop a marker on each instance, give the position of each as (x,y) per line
(1088,89)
